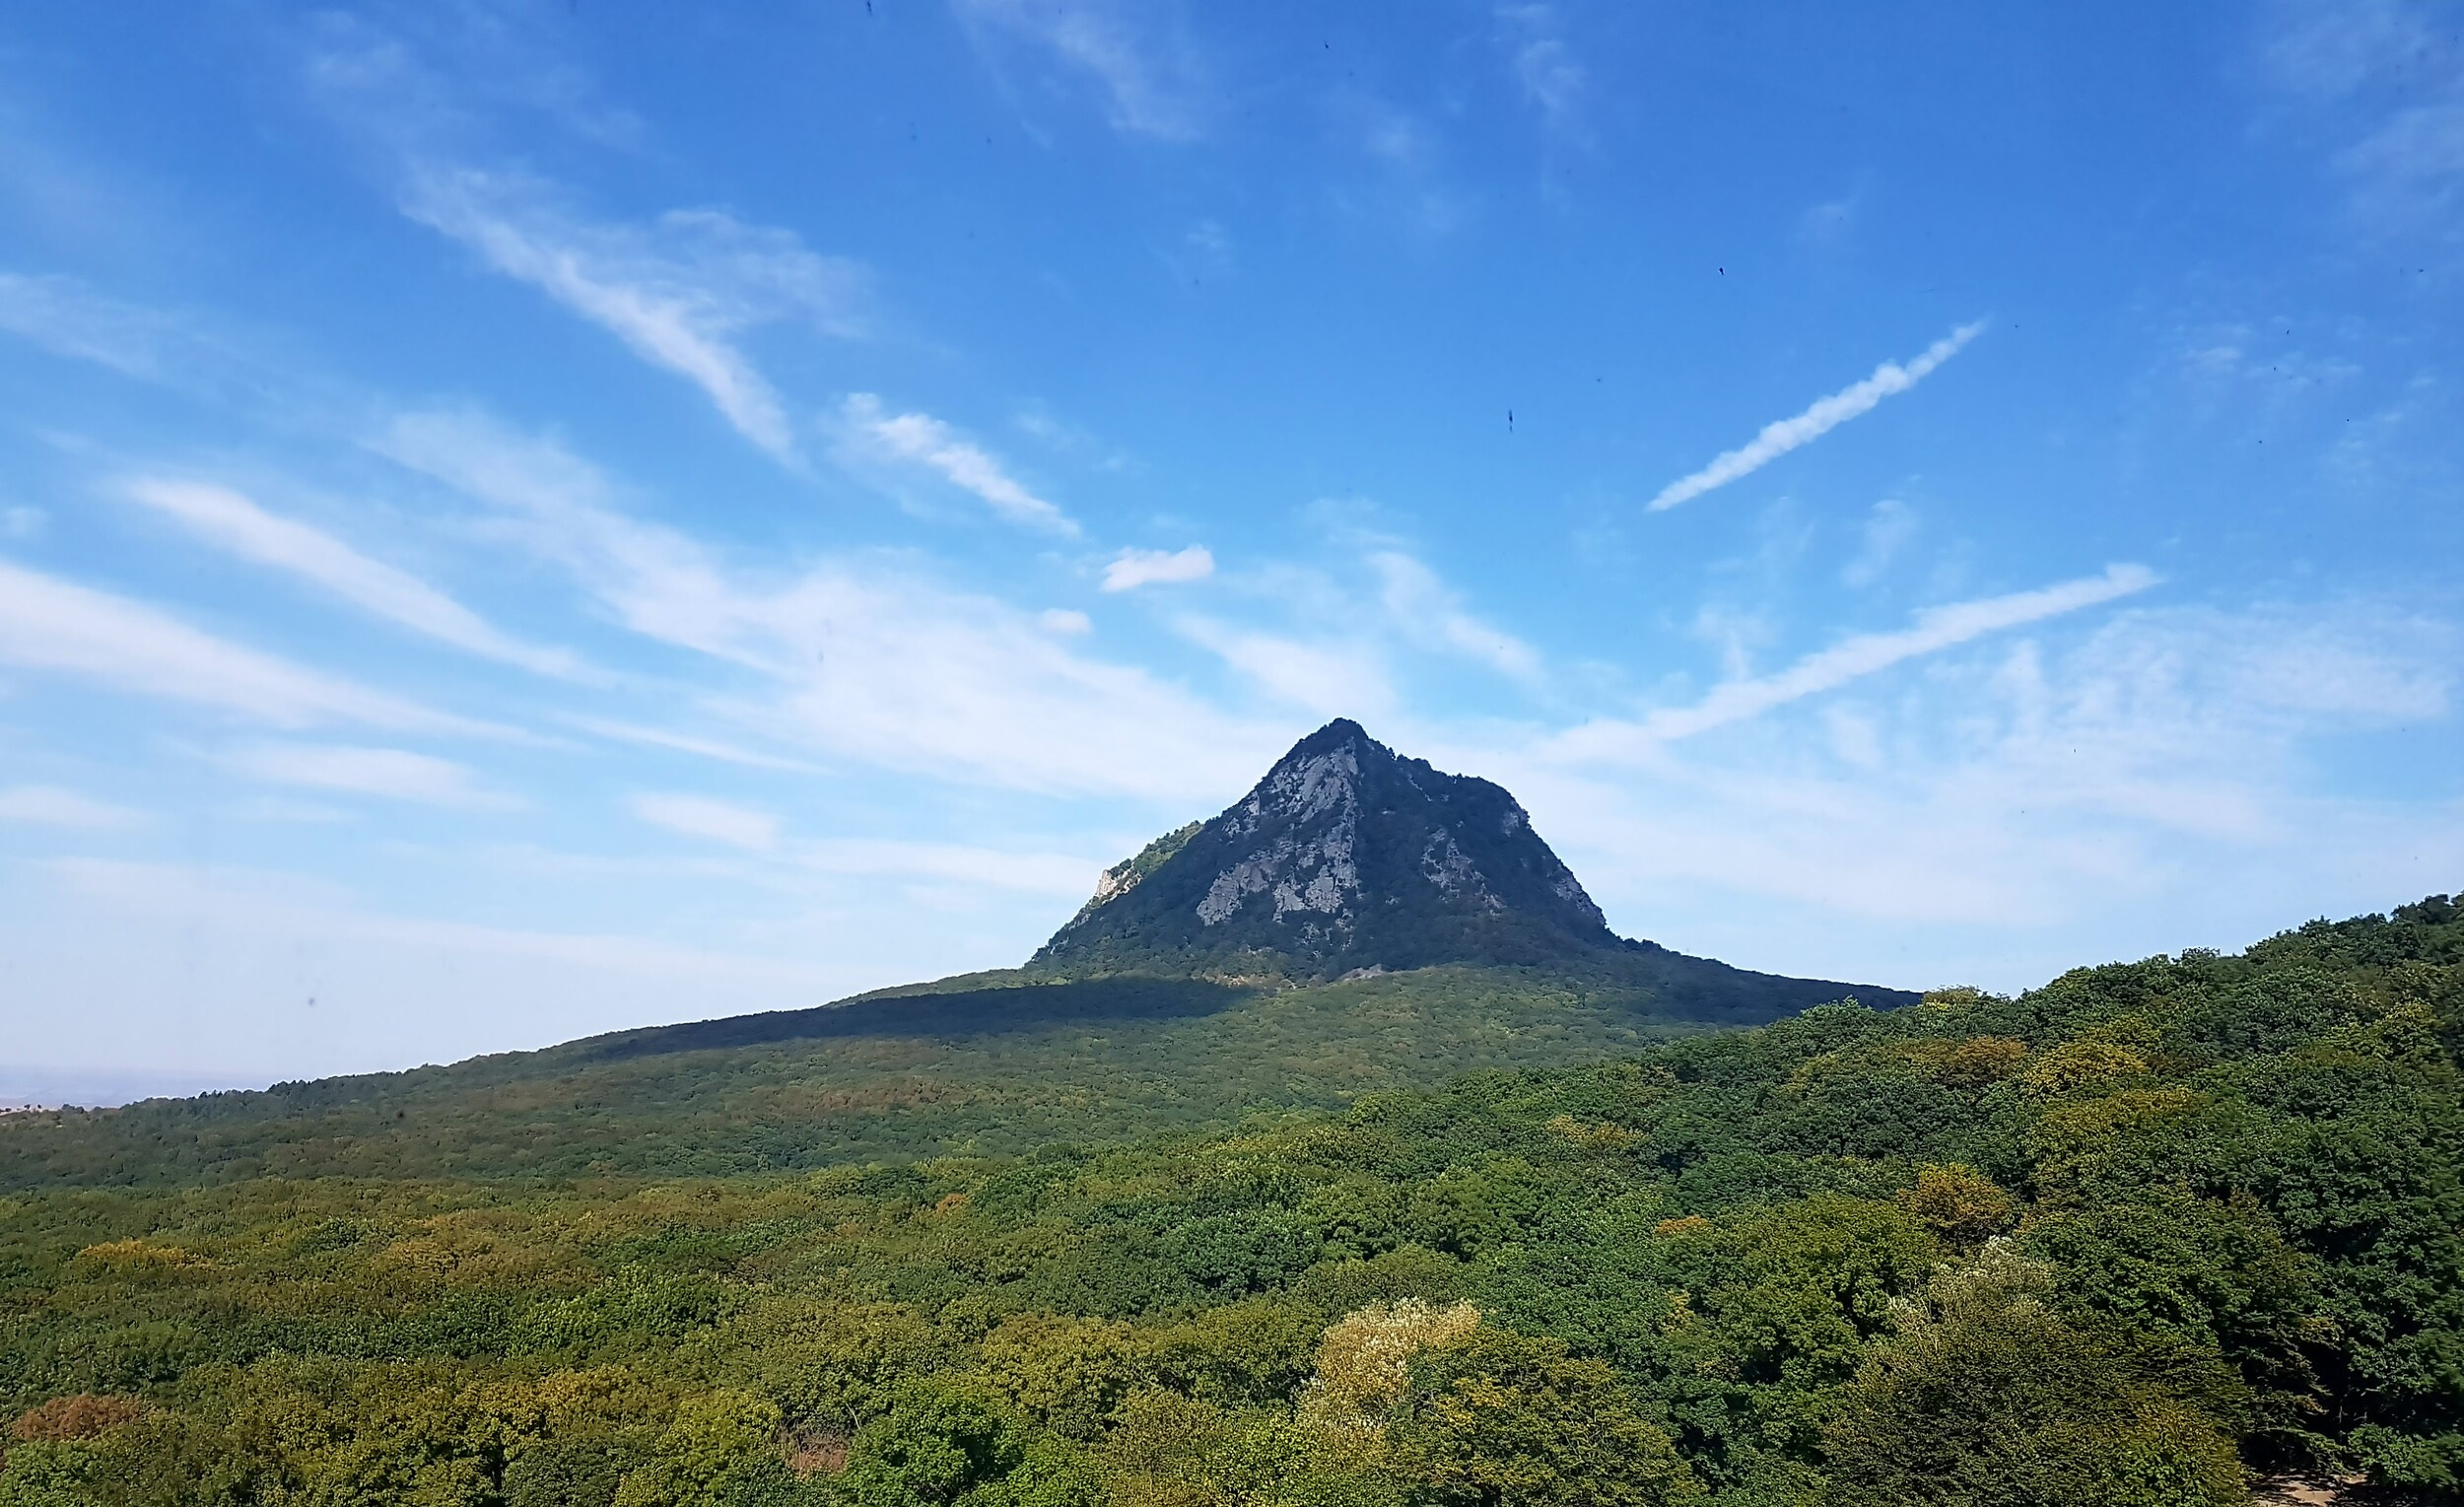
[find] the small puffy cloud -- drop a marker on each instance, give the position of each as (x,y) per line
(920,439)
(21,522)
(47,805)
(1067,620)
(391,774)
(1134,567)
(715,821)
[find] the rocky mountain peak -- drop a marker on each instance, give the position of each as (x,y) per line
(1345,856)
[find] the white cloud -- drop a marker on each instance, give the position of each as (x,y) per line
(1887,531)
(1409,186)
(2101,789)
(200,358)
(919,439)
(861,656)
(717,821)
(1827,223)
(227,520)
(1327,678)
(679,291)
(1134,567)
(1206,249)
(1152,82)
(685,742)
(47,624)
(276,809)
(21,522)
(48,805)
(394,774)
(2332,49)
(1781,436)
(2388,78)
(68,319)
(1543,64)
(1432,615)
(446,72)
(1069,620)
(1935,629)
(1059,875)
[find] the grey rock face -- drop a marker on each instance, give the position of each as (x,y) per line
(1346,856)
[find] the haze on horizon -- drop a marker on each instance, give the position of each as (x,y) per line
(521,521)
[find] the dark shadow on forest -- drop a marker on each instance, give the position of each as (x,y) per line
(973,1013)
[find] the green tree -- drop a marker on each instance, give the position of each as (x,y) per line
(1500,1420)
(2006,1405)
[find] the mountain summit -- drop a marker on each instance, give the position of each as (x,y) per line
(1348,857)
(1345,856)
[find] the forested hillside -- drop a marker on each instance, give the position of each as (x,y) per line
(980,1064)
(2114,1241)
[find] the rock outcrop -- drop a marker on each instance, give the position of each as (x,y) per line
(1349,858)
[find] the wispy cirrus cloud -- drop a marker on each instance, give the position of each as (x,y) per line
(920,439)
(48,805)
(69,317)
(2009,797)
(858,657)
(53,625)
(1551,78)
(1410,185)
(1887,531)
(1781,436)
(1348,637)
(1430,613)
(680,291)
(391,774)
(2391,78)
(1059,875)
(717,750)
(233,522)
(758,831)
(1325,676)
(717,821)
(1853,658)
(1149,74)
(1134,567)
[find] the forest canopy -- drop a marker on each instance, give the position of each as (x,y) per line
(2120,1239)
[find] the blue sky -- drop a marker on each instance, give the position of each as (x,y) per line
(524,519)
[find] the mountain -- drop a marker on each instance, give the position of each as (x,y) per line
(1349,858)
(1359,923)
